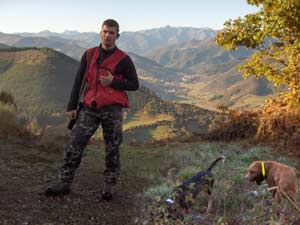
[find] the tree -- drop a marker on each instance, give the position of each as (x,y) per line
(274,32)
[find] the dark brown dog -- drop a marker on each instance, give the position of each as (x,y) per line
(276,175)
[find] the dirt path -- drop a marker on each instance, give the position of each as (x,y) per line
(25,172)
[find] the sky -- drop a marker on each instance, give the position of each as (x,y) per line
(132,15)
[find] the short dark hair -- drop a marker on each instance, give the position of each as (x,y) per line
(111,23)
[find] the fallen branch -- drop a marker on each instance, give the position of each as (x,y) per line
(285,195)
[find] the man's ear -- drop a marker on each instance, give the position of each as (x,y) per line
(118,35)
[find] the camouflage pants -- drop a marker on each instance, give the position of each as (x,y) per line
(88,120)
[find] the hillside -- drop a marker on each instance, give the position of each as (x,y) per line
(40,80)
(198,56)
(152,75)
(211,76)
(162,80)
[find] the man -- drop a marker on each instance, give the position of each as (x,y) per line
(107,73)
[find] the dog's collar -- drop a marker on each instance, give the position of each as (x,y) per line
(263,168)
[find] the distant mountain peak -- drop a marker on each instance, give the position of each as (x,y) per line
(171,28)
(71,32)
(45,32)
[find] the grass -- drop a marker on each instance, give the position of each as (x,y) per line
(145,119)
(233,196)
(146,169)
(163,132)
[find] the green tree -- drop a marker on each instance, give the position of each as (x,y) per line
(274,31)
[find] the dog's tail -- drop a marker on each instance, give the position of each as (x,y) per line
(215,162)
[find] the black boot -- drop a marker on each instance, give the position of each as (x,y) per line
(108,192)
(106,196)
(61,188)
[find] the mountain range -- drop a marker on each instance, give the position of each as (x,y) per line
(182,64)
(138,42)
(68,47)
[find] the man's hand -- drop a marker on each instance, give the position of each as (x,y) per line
(106,80)
(72,114)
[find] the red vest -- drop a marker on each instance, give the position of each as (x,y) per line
(97,93)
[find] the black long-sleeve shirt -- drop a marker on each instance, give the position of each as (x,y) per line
(124,67)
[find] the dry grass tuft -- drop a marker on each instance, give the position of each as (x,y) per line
(278,124)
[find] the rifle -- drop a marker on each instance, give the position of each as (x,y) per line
(73,121)
(80,104)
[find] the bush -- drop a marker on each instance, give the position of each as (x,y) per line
(11,124)
(8,122)
(7,99)
(234,125)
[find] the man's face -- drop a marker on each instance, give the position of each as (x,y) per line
(108,35)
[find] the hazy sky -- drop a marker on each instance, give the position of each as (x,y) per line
(132,15)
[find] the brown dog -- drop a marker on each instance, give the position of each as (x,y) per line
(276,175)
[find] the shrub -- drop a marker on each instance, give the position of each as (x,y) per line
(7,99)
(11,123)
(8,123)
(234,125)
